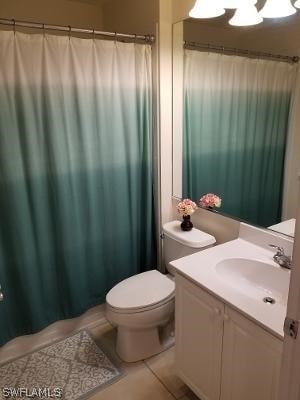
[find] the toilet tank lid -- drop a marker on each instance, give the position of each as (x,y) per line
(194,238)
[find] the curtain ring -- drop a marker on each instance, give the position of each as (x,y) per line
(14,27)
(223,50)
(94,34)
(44,34)
(70,30)
(135,38)
(116,37)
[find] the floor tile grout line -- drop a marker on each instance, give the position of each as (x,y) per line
(158,378)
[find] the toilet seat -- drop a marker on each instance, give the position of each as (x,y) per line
(141,292)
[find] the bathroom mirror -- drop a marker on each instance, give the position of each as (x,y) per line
(236,117)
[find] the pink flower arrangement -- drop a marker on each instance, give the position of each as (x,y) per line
(210,200)
(186,207)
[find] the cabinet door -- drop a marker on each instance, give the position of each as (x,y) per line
(198,346)
(251,360)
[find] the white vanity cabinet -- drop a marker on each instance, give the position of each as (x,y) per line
(199,332)
(220,354)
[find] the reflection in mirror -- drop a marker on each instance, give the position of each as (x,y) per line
(236,126)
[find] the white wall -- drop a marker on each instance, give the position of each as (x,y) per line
(77,13)
(181,9)
(165,106)
(289,379)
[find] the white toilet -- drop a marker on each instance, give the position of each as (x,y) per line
(142,306)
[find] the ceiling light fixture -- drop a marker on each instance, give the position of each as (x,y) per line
(207,9)
(277,9)
(246,15)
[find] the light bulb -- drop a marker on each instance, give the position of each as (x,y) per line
(246,15)
(297,4)
(277,9)
(207,9)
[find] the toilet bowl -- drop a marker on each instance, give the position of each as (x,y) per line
(142,306)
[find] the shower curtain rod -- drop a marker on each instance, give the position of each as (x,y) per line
(239,52)
(49,27)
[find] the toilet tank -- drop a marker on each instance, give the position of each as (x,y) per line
(178,243)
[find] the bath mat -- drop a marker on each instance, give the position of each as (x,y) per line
(70,369)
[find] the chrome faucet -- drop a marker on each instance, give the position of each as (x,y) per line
(281,258)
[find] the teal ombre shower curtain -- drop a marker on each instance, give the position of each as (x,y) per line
(76,200)
(235,128)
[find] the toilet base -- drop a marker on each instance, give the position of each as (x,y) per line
(136,345)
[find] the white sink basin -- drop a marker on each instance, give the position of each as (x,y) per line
(255,278)
(242,274)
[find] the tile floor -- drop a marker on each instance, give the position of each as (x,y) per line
(152,379)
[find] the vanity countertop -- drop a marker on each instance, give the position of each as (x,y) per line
(201,268)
